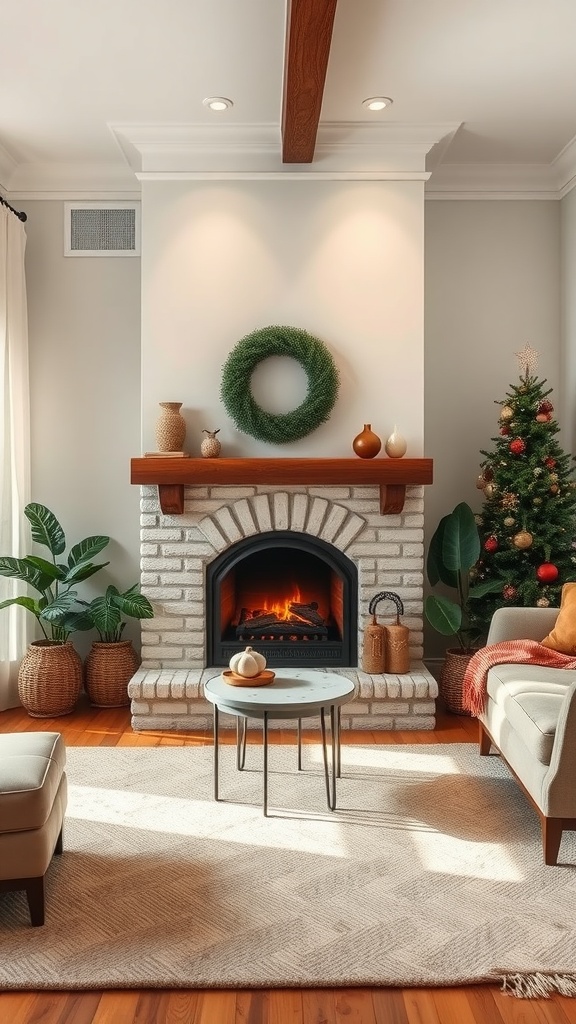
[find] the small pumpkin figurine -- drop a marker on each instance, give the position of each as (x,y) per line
(248,663)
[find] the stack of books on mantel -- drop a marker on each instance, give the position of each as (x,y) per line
(166,455)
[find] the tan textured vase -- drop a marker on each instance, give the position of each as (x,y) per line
(50,679)
(170,428)
(367,444)
(108,670)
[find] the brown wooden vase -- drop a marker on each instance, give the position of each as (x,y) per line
(367,444)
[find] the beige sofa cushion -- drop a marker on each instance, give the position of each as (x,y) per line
(31,767)
(531,697)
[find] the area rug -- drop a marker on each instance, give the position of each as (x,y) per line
(429,873)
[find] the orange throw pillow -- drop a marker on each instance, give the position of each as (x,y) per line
(563,637)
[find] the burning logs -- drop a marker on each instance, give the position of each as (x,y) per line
(303,623)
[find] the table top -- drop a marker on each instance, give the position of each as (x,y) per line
(305,690)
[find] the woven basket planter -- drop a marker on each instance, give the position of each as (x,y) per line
(452,678)
(50,679)
(108,670)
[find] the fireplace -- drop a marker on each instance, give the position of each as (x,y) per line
(336,544)
(292,596)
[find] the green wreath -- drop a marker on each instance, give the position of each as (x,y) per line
(315,359)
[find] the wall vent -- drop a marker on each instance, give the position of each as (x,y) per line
(102,229)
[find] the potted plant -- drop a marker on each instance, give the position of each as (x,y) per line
(50,676)
(452,556)
(112,661)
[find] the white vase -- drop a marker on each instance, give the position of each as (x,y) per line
(395,446)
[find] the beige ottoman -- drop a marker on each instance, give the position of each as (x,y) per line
(32,804)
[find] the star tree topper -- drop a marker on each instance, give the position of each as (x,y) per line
(528,360)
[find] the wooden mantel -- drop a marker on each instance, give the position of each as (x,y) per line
(172,475)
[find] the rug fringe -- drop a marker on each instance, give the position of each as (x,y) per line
(538,984)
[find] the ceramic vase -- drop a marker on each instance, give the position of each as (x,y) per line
(367,444)
(395,446)
(170,428)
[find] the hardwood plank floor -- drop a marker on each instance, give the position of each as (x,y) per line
(482,1004)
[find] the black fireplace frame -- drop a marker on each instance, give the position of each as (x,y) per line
(329,653)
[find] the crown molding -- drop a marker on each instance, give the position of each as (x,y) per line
(493,181)
(342,148)
(357,151)
(564,166)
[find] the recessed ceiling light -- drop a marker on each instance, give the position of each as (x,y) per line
(217,103)
(377,102)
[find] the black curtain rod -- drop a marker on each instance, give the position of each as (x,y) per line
(18,213)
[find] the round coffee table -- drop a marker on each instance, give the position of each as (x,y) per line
(294,693)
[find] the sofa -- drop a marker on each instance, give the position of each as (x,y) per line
(530,718)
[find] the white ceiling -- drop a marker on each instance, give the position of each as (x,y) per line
(499,75)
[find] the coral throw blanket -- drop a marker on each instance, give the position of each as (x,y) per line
(528,652)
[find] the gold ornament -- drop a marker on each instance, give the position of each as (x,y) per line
(480,482)
(522,540)
(542,602)
(537,501)
(554,488)
(509,521)
(554,478)
(489,490)
(506,413)
(509,500)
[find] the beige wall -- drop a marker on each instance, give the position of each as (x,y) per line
(568,304)
(491,284)
(343,260)
(84,336)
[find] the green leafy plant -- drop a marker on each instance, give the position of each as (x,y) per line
(54,581)
(452,556)
(106,612)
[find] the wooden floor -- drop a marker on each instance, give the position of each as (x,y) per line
(482,1004)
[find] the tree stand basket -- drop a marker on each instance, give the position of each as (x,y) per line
(452,678)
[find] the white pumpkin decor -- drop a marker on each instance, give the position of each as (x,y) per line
(248,663)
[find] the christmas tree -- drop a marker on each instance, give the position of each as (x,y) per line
(528,521)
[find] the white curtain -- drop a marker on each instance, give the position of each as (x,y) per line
(15,627)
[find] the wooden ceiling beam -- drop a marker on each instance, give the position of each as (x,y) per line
(308,37)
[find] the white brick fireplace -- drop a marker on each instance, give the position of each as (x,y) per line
(234,241)
(167,692)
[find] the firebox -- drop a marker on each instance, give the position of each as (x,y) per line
(292,596)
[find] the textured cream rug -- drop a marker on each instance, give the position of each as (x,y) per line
(429,873)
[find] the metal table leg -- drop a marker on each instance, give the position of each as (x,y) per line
(334,745)
(265,772)
(325,757)
(299,744)
(241,730)
(338,739)
(216,752)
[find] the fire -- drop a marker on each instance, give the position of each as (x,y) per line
(281,607)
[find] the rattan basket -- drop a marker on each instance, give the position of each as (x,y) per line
(50,679)
(108,670)
(452,677)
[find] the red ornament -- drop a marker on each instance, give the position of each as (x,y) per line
(491,545)
(550,462)
(547,572)
(505,431)
(509,592)
(545,406)
(517,446)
